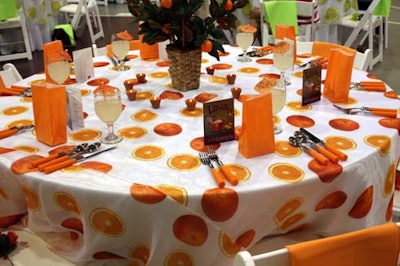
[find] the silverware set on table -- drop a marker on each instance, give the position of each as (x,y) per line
(207,158)
(316,148)
(17,91)
(67,158)
(14,130)
(386,112)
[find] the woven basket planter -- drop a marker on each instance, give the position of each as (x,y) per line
(184,68)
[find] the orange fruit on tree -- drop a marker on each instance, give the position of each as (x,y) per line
(166,3)
(220,204)
(190,229)
(228,5)
(206,46)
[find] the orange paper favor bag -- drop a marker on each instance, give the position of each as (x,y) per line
(257,132)
(147,51)
(338,75)
(50,113)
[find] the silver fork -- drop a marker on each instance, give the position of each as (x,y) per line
(216,174)
(228,174)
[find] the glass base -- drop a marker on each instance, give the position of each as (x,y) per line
(277,129)
(119,68)
(111,139)
(244,59)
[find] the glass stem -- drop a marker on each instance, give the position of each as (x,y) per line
(244,55)
(282,80)
(110,128)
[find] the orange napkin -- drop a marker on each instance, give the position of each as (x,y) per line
(257,132)
(50,113)
(147,51)
(373,246)
(338,75)
(289,32)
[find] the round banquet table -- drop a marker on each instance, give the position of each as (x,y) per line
(151,200)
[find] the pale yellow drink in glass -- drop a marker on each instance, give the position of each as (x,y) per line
(278,99)
(58,70)
(120,48)
(108,110)
(244,40)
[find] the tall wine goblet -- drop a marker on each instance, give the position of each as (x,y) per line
(108,107)
(245,38)
(283,57)
(58,68)
(278,94)
(120,48)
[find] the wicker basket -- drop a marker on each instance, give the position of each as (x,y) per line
(184,68)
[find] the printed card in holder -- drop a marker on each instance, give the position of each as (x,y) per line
(311,84)
(74,108)
(83,61)
(219,122)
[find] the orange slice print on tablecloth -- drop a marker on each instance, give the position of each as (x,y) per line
(287,209)
(194,113)
(190,229)
(20,123)
(131,56)
(132,132)
(6,221)
(341,142)
(171,95)
(298,74)
(220,204)
(144,95)
(26,148)
(26,99)
(198,145)
(64,149)
(390,123)
(223,53)
(31,198)
(300,227)
(107,222)
(372,76)
(67,202)
(297,106)
(14,110)
(285,149)
(94,165)
(332,201)
(146,194)
(381,142)
(363,204)
(221,66)
(239,171)
(167,129)
(286,172)
(218,79)
(144,115)
(271,76)
(291,220)
(265,61)
(389,181)
(228,247)
(85,92)
(204,60)
(100,64)
(184,162)
(326,173)
(141,253)
(36,81)
(246,238)
(177,193)
(73,223)
(300,121)
(389,210)
(249,70)
(105,255)
(304,55)
(85,135)
(3,194)
(98,81)
(179,257)
(205,97)
(344,124)
(391,94)
(159,75)
(24,165)
(5,150)
(162,64)
(148,152)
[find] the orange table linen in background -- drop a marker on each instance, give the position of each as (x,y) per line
(351,249)
(257,133)
(338,75)
(50,49)
(286,31)
(50,113)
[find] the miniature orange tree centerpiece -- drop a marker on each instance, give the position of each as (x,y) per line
(188,33)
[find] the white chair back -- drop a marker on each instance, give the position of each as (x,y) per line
(10,75)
